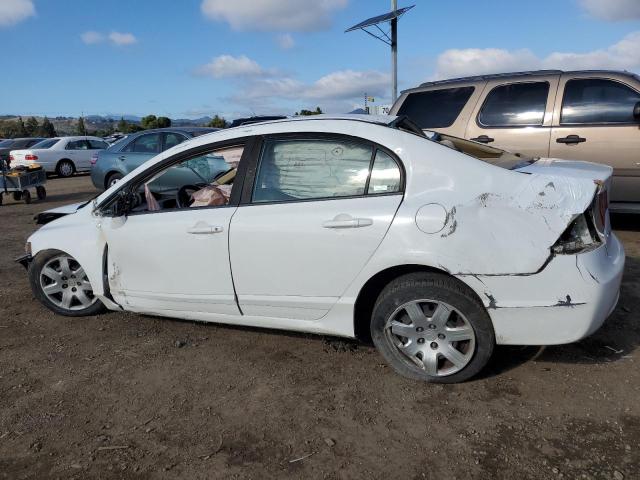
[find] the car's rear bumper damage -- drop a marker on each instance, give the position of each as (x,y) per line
(565,302)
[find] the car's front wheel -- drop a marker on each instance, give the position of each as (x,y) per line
(430,327)
(60,283)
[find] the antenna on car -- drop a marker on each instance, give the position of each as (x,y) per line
(391,17)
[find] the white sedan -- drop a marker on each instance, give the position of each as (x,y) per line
(353,226)
(63,155)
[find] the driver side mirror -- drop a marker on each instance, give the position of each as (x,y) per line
(636,111)
(123,203)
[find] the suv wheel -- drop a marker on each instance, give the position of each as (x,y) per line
(59,282)
(431,327)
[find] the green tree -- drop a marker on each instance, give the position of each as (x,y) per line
(80,128)
(122,126)
(163,122)
(32,127)
(150,121)
(305,113)
(47,129)
(217,122)
(21,130)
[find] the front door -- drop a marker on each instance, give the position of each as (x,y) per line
(595,123)
(515,116)
(171,253)
(311,222)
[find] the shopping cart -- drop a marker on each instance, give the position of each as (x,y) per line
(19,180)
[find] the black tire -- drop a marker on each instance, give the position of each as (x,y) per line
(35,272)
(439,288)
(17,196)
(1,195)
(65,168)
(41,192)
(112,178)
(26,196)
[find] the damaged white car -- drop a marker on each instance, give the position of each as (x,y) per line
(359,226)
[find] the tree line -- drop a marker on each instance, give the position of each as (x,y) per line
(31,128)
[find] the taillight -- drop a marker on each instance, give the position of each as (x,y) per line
(600,210)
(30,157)
(10,158)
(94,158)
(580,236)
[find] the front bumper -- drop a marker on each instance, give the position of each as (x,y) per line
(567,301)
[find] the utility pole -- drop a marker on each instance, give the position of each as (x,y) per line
(394,52)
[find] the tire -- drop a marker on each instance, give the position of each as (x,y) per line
(26,196)
(41,192)
(441,307)
(57,270)
(65,168)
(17,195)
(111,179)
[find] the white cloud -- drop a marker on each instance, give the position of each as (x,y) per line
(285,41)
(92,37)
(15,11)
(624,55)
(612,10)
(120,39)
(273,15)
(230,66)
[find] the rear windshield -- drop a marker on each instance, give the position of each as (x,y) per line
(44,144)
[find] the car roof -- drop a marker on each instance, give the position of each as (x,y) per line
(386,120)
(528,73)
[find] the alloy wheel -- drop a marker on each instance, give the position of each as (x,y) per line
(65,284)
(432,335)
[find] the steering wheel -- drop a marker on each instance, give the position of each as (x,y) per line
(183,197)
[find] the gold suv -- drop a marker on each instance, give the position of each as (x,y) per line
(582,115)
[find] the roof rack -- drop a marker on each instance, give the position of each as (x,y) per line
(492,76)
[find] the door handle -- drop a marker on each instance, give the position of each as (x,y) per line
(483,139)
(346,221)
(205,230)
(571,139)
(122,157)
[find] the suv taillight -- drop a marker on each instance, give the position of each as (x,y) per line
(30,157)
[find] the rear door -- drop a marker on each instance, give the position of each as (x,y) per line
(139,150)
(515,115)
(595,122)
(309,222)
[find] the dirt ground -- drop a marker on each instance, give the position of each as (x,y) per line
(128,396)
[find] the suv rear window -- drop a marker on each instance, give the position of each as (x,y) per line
(436,108)
(596,101)
(515,105)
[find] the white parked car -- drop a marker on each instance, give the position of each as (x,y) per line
(353,226)
(63,155)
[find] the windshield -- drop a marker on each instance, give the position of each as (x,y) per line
(6,143)
(44,144)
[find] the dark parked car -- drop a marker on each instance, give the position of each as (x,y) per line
(15,144)
(110,165)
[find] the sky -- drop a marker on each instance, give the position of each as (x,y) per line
(190,58)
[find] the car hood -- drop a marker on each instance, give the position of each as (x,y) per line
(47,216)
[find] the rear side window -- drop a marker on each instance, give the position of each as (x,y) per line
(515,105)
(293,170)
(435,108)
(77,145)
(596,101)
(385,175)
(172,139)
(98,145)
(145,144)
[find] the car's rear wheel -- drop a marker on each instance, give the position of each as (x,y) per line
(65,168)
(60,283)
(112,179)
(430,327)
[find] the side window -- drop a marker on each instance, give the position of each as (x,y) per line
(515,105)
(594,101)
(73,145)
(436,108)
(145,144)
(293,170)
(202,181)
(98,145)
(385,175)
(172,139)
